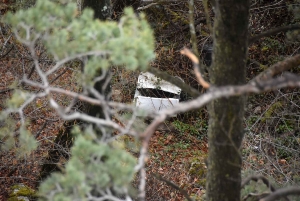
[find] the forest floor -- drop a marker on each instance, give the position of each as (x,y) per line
(272,122)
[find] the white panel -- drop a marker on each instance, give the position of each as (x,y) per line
(149,104)
(150,81)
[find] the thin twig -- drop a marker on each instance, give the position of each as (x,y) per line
(277,68)
(40,131)
(195,61)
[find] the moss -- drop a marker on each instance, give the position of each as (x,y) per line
(204,33)
(273,108)
(198,170)
(264,49)
(176,17)
(21,192)
(263,67)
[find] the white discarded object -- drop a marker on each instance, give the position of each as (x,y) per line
(148,81)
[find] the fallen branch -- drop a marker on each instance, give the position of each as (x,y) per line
(183,86)
(172,185)
(274,31)
(256,178)
(255,196)
(283,192)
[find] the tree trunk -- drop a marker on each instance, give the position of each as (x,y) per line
(119,6)
(102,9)
(226,115)
(64,139)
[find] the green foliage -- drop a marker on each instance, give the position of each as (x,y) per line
(295,34)
(6,133)
(198,168)
(183,127)
(255,187)
(92,166)
(22,4)
(68,36)
(17,99)
(194,129)
(27,142)
(270,43)
(271,110)
(286,146)
(284,126)
(295,8)
(95,166)
(251,120)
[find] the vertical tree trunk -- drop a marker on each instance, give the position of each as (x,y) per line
(119,6)
(226,115)
(64,139)
(102,8)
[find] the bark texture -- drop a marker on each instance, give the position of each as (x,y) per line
(119,6)
(102,8)
(226,115)
(64,140)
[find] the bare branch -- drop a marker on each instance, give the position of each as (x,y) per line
(286,80)
(279,67)
(79,96)
(70,58)
(192,28)
(88,118)
(256,178)
(255,196)
(5,90)
(283,192)
(147,6)
(274,31)
(195,61)
(7,52)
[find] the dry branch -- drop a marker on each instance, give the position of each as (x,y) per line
(274,31)
(286,80)
(283,192)
(279,67)
(256,178)
(185,87)
(171,184)
(195,61)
